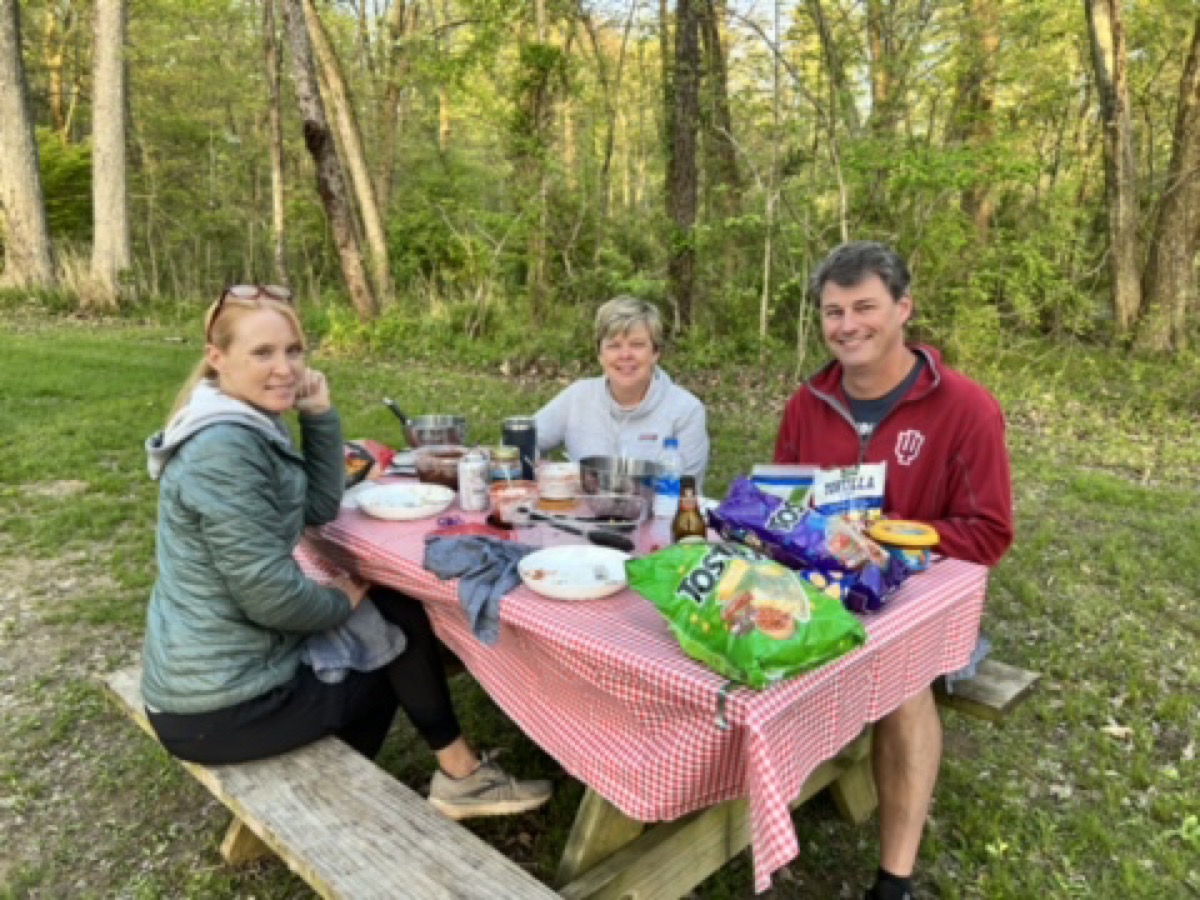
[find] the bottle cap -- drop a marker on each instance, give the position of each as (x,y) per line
(671,443)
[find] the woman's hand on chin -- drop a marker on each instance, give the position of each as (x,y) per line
(312,394)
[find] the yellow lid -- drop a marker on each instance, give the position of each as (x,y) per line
(903,533)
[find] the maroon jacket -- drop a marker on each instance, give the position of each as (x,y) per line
(943,443)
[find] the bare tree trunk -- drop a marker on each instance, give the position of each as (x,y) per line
(55,41)
(681,188)
(972,122)
(111,249)
(273,53)
(445,121)
(881,45)
(401,21)
(28,259)
(721,155)
(319,140)
(839,85)
(1107,36)
(772,187)
(352,148)
(1170,283)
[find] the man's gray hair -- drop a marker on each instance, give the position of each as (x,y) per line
(855,261)
(624,312)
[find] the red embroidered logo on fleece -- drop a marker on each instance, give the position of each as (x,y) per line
(908,446)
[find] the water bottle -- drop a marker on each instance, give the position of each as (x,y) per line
(666,483)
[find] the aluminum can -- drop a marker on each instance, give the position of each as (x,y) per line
(521,432)
(473,482)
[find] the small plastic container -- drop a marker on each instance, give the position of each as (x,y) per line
(907,541)
(558,480)
(507,496)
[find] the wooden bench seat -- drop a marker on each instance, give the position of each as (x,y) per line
(344,825)
(991,694)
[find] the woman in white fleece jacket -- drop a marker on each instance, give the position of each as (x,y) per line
(634,406)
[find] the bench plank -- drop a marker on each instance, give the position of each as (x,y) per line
(349,828)
(992,694)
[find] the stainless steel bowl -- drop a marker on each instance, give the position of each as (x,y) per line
(618,475)
(422,431)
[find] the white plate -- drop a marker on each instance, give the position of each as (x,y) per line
(350,495)
(405,501)
(574,572)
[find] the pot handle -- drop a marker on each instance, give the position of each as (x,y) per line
(391,404)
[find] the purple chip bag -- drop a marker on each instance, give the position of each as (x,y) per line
(804,540)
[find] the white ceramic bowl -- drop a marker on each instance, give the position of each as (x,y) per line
(405,501)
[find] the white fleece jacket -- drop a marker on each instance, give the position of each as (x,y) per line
(586,420)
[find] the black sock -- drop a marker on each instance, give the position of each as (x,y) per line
(890,887)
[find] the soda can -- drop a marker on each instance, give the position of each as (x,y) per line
(521,432)
(473,481)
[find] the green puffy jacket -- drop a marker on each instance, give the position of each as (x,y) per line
(231,607)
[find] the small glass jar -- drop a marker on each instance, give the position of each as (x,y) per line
(506,464)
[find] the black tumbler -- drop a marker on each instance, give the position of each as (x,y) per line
(521,432)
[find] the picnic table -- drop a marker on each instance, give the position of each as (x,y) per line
(603,687)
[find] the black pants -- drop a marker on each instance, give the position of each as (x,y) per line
(359,710)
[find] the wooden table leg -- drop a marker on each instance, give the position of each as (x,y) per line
(854,790)
(241,845)
(600,830)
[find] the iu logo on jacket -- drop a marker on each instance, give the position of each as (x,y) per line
(908,446)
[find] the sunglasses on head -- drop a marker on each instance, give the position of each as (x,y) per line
(249,292)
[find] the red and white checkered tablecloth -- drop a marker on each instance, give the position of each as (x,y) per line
(603,687)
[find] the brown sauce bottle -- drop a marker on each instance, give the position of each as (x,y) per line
(689,524)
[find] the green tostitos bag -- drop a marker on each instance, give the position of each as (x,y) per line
(743,615)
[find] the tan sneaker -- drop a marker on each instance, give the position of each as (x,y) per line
(488,791)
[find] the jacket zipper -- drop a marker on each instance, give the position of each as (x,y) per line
(864,442)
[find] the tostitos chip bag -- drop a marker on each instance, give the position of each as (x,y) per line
(743,615)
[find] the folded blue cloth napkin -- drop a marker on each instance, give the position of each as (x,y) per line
(981,652)
(364,642)
(486,569)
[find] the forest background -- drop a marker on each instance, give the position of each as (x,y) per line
(518,163)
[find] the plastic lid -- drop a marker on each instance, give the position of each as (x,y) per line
(903,533)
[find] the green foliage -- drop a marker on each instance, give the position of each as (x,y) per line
(67,186)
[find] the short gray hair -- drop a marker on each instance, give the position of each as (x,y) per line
(853,262)
(622,313)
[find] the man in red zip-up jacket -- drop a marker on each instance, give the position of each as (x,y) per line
(942,437)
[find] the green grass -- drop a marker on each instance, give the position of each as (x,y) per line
(1090,791)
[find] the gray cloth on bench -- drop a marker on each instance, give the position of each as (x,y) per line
(486,569)
(983,649)
(364,642)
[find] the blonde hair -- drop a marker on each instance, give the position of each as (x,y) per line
(623,313)
(220,328)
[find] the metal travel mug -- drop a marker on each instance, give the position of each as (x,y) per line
(521,432)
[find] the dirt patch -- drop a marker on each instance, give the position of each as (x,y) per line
(54,490)
(45,657)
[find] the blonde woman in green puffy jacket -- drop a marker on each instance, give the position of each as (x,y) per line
(224,678)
